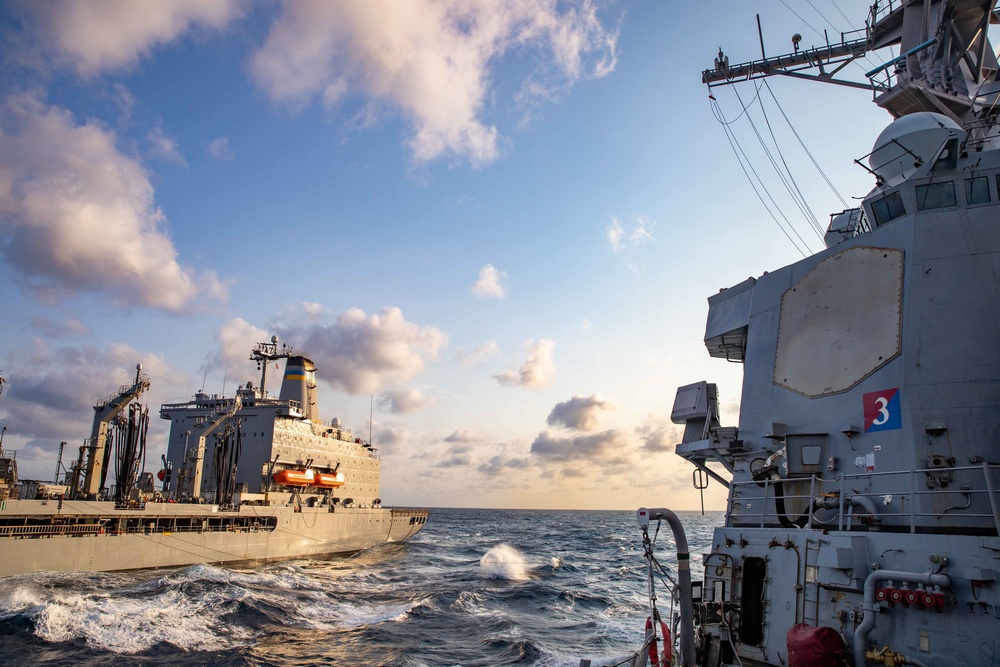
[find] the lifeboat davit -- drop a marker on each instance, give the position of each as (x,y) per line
(326,480)
(295,477)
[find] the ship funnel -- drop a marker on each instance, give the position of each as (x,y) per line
(300,384)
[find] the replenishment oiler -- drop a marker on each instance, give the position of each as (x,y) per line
(245,478)
(863,517)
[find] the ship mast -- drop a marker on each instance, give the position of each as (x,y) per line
(946,64)
(264,353)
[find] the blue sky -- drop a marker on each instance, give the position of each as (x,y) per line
(501,220)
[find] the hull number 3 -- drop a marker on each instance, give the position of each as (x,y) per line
(882,410)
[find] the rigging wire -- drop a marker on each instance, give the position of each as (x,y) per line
(745,164)
(805,203)
(799,202)
(805,148)
(744,110)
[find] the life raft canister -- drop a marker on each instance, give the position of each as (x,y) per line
(668,651)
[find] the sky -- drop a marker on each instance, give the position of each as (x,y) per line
(493,225)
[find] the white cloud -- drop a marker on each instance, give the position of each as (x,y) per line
(404,402)
(464,436)
(165,147)
(50,395)
(478,355)
(236,338)
(537,370)
(641,233)
(585,325)
(500,464)
(457,455)
(615,233)
(490,283)
(429,60)
(124,99)
(365,354)
(77,215)
(92,37)
(659,436)
(613,447)
(389,439)
(220,150)
(314,310)
(582,413)
(50,328)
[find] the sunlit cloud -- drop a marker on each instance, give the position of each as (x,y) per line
(404,402)
(432,62)
(537,370)
(234,341)
(581,413)
(367,354)
(93,37)
(490,283)
(478,355)
(77,215)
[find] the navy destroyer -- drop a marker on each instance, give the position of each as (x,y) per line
(862,521)
(246,477)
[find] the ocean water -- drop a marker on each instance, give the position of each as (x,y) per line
(475,587)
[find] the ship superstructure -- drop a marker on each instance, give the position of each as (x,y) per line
(246,477)
(863,475)
(284,450)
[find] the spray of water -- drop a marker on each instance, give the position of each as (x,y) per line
(505,562)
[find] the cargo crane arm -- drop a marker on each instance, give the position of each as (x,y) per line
(201,432)
(104,412)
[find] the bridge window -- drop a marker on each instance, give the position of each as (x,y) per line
(935,195)
(888,208)
(977,190)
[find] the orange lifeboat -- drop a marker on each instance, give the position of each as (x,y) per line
(295,477)
(326,480)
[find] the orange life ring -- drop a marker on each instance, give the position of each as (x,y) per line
(668,650)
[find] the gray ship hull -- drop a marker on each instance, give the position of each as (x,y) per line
(83,536)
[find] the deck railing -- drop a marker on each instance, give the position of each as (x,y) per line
(951,499)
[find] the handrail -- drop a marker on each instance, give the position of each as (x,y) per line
(897,504)
(141,380)
(258,524)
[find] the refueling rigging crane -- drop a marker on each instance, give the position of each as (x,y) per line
(104,412)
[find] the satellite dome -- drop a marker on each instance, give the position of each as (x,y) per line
(909,142)
(335,423)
